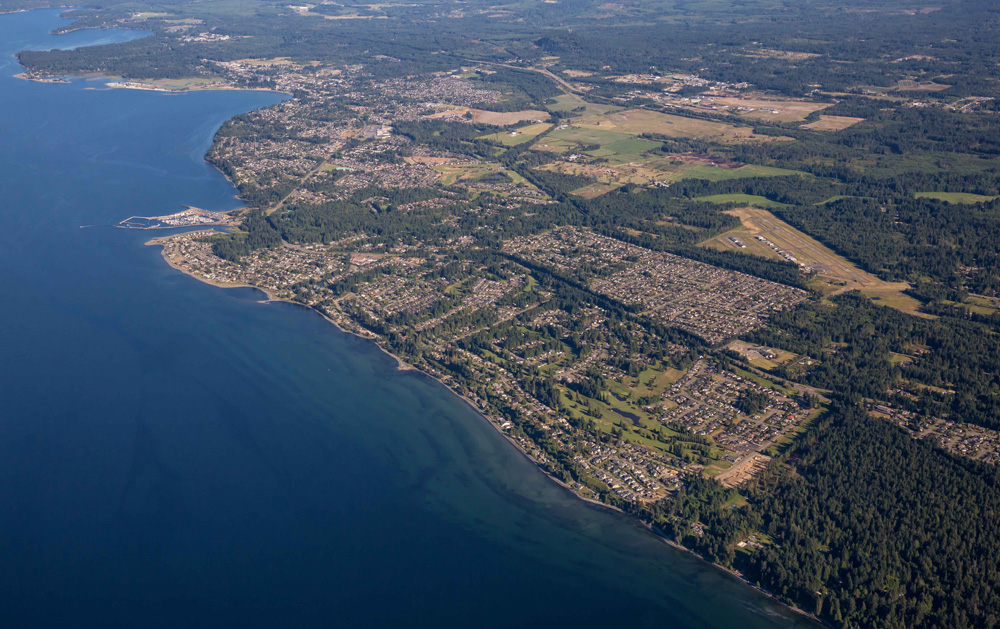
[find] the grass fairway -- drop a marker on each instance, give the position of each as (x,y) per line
(748,199)
(957,197)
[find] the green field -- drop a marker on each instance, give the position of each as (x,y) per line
(629,150)
(569,102)
(956,197)
(524,134)
(746,199)
(931,162)
(578,135)
(715,173)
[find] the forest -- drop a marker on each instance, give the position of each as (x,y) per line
(861,525)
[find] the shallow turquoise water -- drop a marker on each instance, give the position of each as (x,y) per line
(176,455)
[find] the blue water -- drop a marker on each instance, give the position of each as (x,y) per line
(177,455)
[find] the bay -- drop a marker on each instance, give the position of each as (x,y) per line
(177,455)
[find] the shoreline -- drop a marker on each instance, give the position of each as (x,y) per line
(116,83)
(403,366)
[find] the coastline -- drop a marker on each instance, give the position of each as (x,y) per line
(116,83)
(401,365)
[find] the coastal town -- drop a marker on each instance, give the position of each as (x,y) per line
(579,386)
(607,389)
(727,272)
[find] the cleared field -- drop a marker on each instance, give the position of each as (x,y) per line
(714,173)
(611,175)
(638,121)
(777,110)
(276,61)
(895,299)
(518,136)
(594,190)
(770,53)
(957,197)
(454,173)
(612,135)
(504,118)
(832,123)
(471,175)
(761,357)
(983,305)
(914,86)
(749,199)
(630,149)
(834,273)
(569,102)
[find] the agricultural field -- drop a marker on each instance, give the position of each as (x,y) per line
(634,122)
(572,102)
(607,148)
(833,123)
(962,198)
(519,135)
(654,169)
(929,162)
(749,199)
